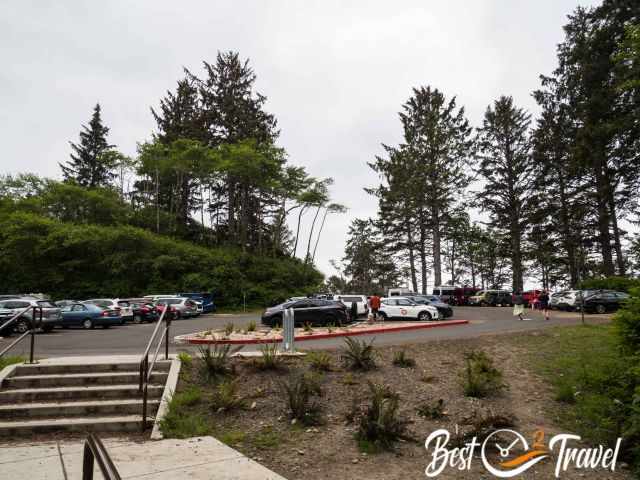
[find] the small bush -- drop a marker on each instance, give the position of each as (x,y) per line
(358,355)
(400,359)
(191,396)
(252,326)
(185,359)
(481,426)
(226,398)
(267,438)
(6,361)
(298,392)
(269,360)
(232,437)
(480,378)
(307,328)
(432,412)
(348,379)
(627,322)
(228,329)
(565,392)
(216,362)
(320,361)
(379,424)
(179,424)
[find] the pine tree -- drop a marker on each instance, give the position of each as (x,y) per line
(90,164)
(506,167)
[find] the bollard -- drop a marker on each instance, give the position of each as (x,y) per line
(288,330)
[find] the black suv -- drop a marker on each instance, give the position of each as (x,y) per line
(314,311)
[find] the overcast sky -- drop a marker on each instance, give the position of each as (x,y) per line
(335,74)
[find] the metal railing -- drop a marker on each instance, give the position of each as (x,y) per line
(146,369)
(94,450)
(33,326)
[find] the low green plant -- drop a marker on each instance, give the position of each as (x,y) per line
(187,398)
(226,397)
(6,361)
(307,328)
(400,359)
(215,362)
(298,391)
(252,326)
(349,379)
(178,422)
(427,378)
(270,358)
(565,392)
(320,361)
(228,329)
(432,411)
(232,437)
(185,359)
(330,327)
(358,355)
(480,378)
(379,423)
(266,438)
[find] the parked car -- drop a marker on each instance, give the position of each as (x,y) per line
(444,309)
(314,311)
(491,298)
(570,299)
(203,298)
(360,301)
(530,297)
(65,303)
(126,313)
(88,315)
(182,307)
(555,299)
(51,316)
(402,307)
(398,292)
(144,312)
(605,301)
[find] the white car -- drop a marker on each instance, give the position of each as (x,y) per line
(402,307)
(126,311)
(359,300)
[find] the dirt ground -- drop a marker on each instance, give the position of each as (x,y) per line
(263,431)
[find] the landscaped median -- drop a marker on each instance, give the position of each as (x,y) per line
(274,335)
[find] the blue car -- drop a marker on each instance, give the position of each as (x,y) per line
(205,298)
(87,315)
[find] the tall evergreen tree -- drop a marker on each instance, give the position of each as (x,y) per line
(90,164)
(505,167)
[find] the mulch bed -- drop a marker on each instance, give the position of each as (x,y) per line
(263,430)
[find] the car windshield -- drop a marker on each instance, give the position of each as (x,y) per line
(351,299)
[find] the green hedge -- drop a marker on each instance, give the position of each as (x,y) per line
(620,284)
(67,260)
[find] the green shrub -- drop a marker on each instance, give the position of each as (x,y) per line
(358,355)
(6,361)
(627,322)
(252,326)
(226,397)
(400,359)
(307,328)
(270,358)
(298,391)
(179,422)
(479,377)
(191,396)
(379,423)
(216,362)
(619,284)
(185,359)
(431,412)
(228,329)
(320,361)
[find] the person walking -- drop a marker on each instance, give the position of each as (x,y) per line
(518,305)
(374,303)
(543,304)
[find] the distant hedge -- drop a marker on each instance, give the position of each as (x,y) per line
(620,284)
(68,260)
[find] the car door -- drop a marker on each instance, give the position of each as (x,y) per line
(390,307)
(301,312)
(406,308)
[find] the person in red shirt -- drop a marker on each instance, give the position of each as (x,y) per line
(374,303)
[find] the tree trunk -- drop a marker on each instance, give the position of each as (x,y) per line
(295,246)
(516,254)
(603,222)
(616,234)
(423,255)
(568,238)
(412,260)
(437,260)
(324,217)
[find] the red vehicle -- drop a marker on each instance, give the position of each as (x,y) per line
(455,295)
(530,297)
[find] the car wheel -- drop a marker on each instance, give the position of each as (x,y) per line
(22,326)
(87,324)
(330,319)
(484,304)
(601,309)
(137,319)
(384,316)
(47,329)
(177,315)
(424,316)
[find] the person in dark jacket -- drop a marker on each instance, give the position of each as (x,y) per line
(543,304)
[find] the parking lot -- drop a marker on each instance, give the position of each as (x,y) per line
(132,339)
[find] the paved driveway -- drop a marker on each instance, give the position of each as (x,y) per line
(132,339)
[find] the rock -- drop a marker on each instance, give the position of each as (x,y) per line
(253,406)
(355,460)
(300,452)
(293,421)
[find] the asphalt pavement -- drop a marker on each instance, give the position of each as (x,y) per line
(132,339)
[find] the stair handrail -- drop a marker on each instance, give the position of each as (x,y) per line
(145,369)
(94,450)
(32,331)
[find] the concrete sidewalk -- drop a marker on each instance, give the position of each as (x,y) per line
(195,458)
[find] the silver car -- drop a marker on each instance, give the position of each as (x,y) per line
(51,314)
(182,306)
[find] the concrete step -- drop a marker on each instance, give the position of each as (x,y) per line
(79,408)
(78,379)
(50,369)
(123,423)
(76,393)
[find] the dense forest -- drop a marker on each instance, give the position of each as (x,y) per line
(556,197)
(203,206)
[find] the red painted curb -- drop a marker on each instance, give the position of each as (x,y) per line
(201,341)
